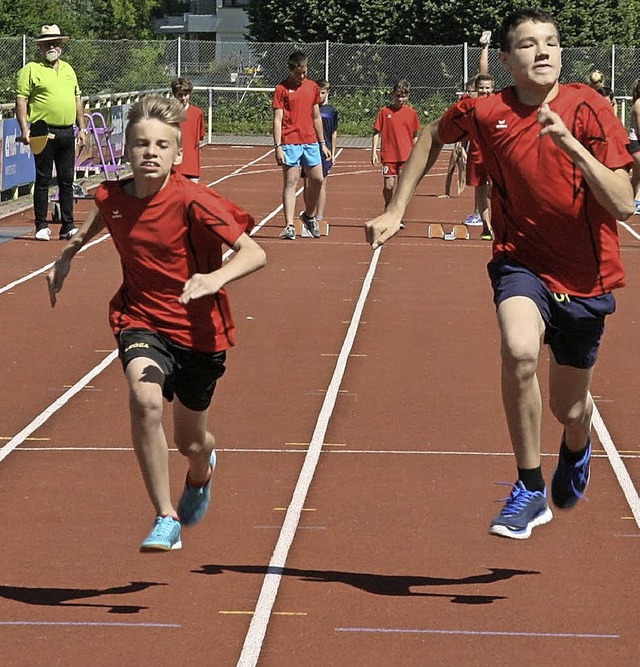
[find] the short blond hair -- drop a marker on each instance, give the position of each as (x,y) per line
(165,109)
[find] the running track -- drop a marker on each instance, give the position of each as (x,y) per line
(360,431)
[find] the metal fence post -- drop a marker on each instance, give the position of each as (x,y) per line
(179,57)
(24,50)
(326,61)
(613,67)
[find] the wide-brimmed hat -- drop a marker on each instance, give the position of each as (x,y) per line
(50,33)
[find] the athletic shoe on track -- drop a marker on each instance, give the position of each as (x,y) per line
(486,235)
(164,536)
(195,500)
(288,233)
(66,234)
(523,510)
(43,234)
(311,224)
(637,207)
(570,478)
(473,220)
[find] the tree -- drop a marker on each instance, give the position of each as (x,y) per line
(581,22)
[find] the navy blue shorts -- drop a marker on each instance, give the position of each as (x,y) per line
(188,374)
(573,325)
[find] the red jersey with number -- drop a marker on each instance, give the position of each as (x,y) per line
(297,102)
(397,128)
(162,241)
(543,213)
(193,132)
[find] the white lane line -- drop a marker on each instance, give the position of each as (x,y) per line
(55,406)
(264,606)
(45,268)
(620,470)
(629,229)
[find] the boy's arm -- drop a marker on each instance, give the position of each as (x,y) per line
(248,257)
(422,158)
(611,187)
(92,225)
(485,40)
(278,116)
(317,124)
(375,140)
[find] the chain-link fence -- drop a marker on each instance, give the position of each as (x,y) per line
(361,75)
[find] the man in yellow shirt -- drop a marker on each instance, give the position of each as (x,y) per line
(47,89)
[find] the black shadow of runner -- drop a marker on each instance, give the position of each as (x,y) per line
(384,584)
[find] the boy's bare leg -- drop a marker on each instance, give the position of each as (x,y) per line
(193,441)
(314,184)
(388,189)
(482,206)
(570,401)
(322,200)
(146,405)
(521,328)
(290,177)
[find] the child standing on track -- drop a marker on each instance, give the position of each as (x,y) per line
(330,119)
(192,128)
(171,316)
(556,258)
(299,142)
(397,126)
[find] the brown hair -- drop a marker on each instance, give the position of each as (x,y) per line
(181,85)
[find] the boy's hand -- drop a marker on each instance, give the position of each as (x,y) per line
(554,126)
(55,278)
(381,229)
(199,285)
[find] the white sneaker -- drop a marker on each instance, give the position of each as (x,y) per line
(485,38)
(43,234)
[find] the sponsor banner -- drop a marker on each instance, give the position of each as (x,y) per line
(18,167)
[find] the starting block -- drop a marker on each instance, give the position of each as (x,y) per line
(435,231)
(458,232)
(301,230)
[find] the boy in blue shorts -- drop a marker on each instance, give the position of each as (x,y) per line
(559,167)
(299,142)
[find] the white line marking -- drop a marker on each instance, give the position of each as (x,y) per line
(620,470)
(629,229)
(55,406)
(264,606)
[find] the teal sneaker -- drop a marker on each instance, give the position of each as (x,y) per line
(164,536)
(195,500)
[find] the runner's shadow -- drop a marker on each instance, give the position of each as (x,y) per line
(61,597)
(384,584)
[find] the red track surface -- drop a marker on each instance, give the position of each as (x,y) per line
(390,562)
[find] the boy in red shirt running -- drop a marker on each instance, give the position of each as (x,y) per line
(298,140)
(555,200)
(397,125)
(192,128)
(171,315)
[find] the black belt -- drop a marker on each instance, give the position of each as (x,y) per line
(61,127)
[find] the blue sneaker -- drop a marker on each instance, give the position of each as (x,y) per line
(570,478)
(523,510)
(195,500)
(164,536)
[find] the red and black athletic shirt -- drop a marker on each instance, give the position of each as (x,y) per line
(543,213)
(162,241)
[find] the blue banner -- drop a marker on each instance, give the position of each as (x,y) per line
(18,167)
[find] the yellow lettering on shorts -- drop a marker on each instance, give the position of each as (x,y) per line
(561,297)
(133,346)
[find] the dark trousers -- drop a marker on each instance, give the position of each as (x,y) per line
(59,151)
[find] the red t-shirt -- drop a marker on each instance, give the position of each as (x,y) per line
(193,132)
(543,213)
(397,129)
(162,241)
(297,102)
